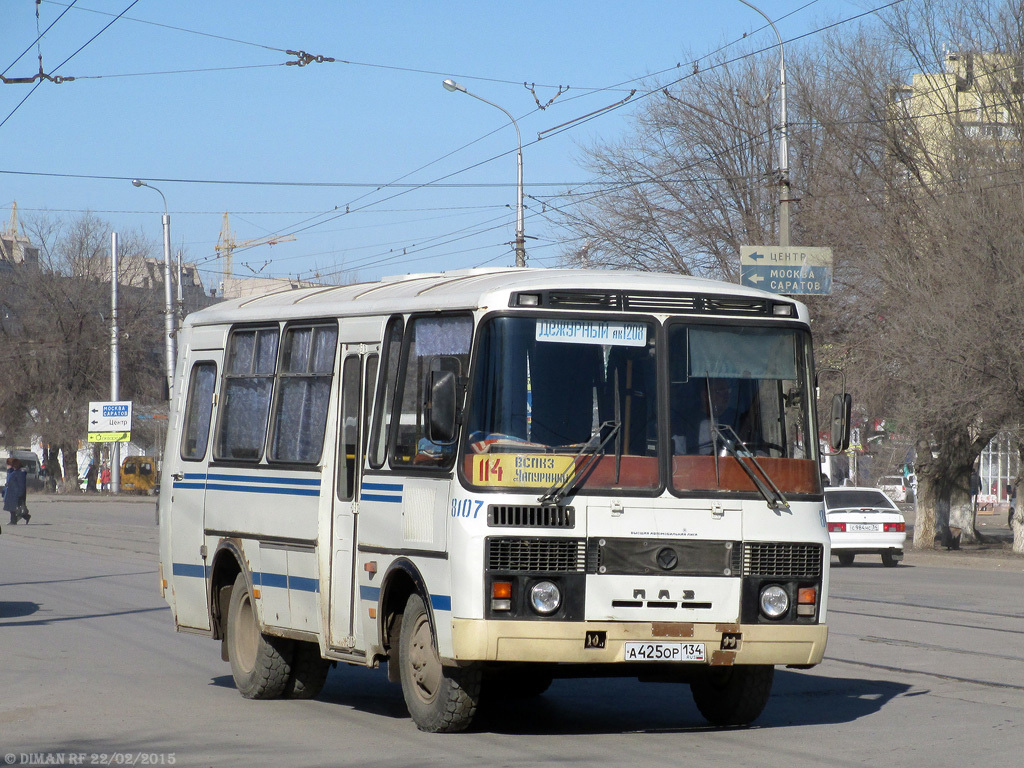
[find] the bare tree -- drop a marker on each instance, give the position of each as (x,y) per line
(917,188)
(56,337)
(691,183)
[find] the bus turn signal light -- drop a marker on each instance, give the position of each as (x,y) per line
(501,596)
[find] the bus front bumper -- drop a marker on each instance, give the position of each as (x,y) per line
(606,642)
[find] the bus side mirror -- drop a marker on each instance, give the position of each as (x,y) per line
(839,431)
(441,407)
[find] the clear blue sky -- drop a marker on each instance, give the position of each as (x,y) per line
(192,96)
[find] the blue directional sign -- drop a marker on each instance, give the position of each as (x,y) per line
(110,422)
(790,270)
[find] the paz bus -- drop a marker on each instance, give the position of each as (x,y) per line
(493,478)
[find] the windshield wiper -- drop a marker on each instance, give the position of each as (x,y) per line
(761,480)
(590,449)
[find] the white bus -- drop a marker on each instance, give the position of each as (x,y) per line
(493,478)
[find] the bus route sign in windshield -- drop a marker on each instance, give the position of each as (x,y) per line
(610,332)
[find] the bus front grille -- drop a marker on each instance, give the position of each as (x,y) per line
(531,515)
(780,559)
(522,555)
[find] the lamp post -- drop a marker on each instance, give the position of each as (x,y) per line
(783,138)
(169,341)
(451,85)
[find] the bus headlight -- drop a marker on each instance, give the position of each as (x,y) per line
(545,597)
(774,601)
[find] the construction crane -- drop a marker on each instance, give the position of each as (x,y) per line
(227,245)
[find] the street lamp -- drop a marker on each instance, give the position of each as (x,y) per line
(783,138)
(169,341)
(451,85)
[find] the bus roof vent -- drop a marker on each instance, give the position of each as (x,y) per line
(737,305)
(649,301)
(662,302)
(583,300)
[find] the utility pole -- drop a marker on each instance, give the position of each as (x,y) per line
(115,365)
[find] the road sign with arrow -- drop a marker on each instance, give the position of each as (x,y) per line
(791,269)
(110,422)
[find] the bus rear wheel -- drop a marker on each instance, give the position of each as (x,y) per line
(260,664)
(733,695)
(309,672)
(440,699)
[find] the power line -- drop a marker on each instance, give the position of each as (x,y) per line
(69,58)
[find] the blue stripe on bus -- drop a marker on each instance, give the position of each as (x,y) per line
(195,486)
(397,487)
(258,489)
(263,579)
(284,581)
(441,602)
(259,479)
(369,593)
(437,602)
(378,497)
(188,569)
(266,579)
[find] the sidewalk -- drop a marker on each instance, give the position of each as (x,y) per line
(994,550)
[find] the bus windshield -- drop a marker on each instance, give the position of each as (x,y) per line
(573,404)
(744,386)
(546,394)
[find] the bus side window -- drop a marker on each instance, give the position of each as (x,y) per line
(304,388)
(348,443)
(434,343)
(248,386)
(198,411)
(385,397)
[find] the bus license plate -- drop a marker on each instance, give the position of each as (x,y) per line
(664,652)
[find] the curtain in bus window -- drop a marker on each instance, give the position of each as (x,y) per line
(307,366)
(248,385)
(198,410)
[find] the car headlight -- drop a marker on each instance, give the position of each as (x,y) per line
(545,597)
(774,601)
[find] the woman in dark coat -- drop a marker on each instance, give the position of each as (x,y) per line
(14,493)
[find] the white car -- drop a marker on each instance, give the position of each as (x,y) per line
(896,487)
(864,521)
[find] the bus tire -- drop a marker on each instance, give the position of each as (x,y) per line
(260,664)
(309,672)
(440,699)
(733,695)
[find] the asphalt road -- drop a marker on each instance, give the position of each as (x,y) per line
(925,667)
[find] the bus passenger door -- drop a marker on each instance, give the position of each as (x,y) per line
(358,373)
(185,472)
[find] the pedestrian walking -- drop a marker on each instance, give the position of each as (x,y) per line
(15,491)
(105,478)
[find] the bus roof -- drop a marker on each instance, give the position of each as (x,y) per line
(597,290)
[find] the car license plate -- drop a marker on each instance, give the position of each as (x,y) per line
(664,652)
(863,527)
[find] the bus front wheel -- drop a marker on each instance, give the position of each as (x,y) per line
(260,664)
(733,695)
(440,699)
